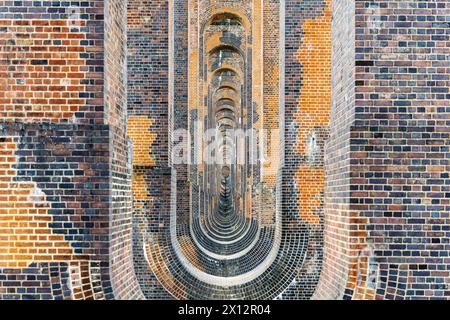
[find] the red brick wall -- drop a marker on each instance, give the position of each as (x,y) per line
(51,65)
(63,143)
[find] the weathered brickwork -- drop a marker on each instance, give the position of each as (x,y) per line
(123,277)
(389,240)
(65,191)
(63,171)
(29,238)
(339,190)
(337,238)
(229,72)
(52,65)
(306,114)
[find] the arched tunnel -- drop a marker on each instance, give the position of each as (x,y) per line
(231,225)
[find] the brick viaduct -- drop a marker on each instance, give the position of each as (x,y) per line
(337,187)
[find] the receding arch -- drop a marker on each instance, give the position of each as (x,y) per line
(226,18)
(225,102)
(226,87)
(226,47)
(228,11)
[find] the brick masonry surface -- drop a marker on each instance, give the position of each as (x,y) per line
(388,218)
(353,204)
(65,190)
